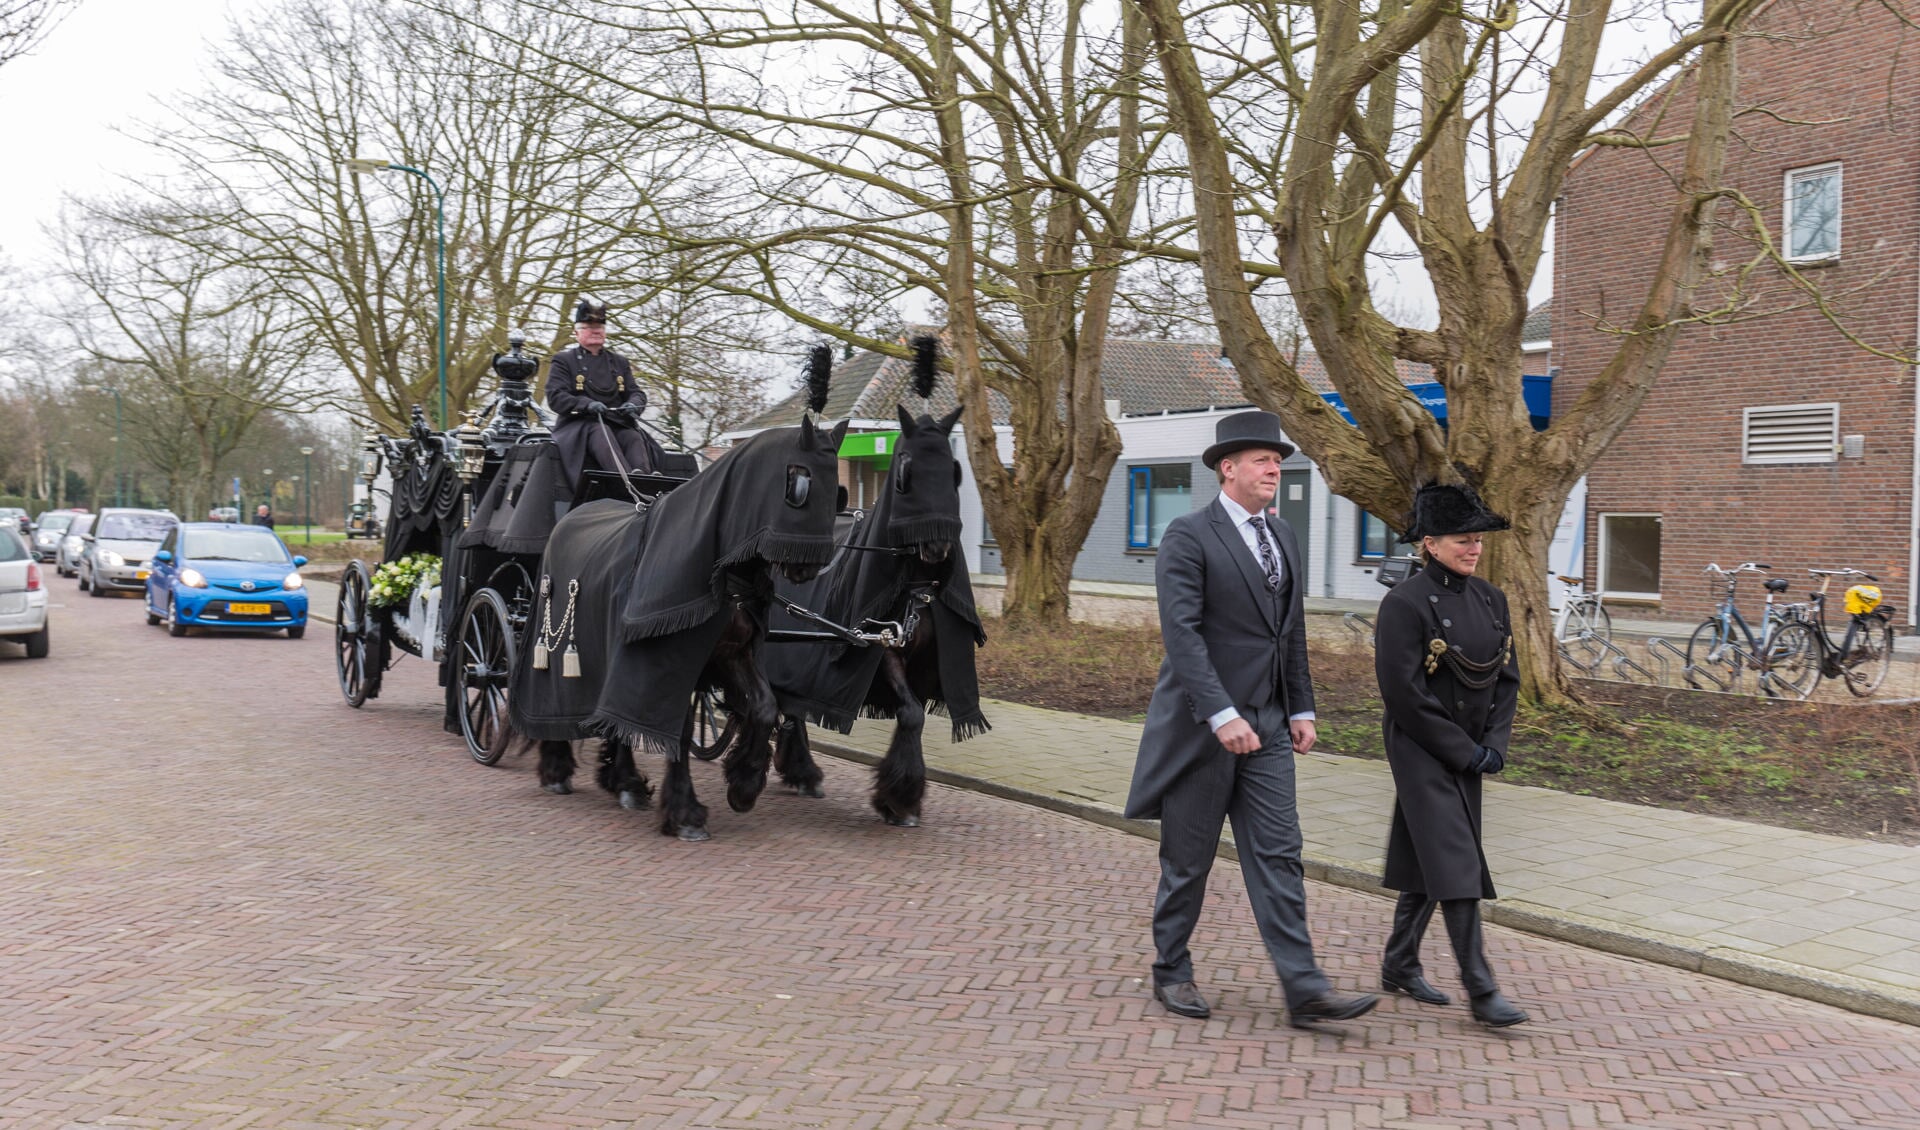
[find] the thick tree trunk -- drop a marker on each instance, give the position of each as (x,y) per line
(1039,574)
(1516,561)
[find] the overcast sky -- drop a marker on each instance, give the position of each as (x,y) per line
(61,107)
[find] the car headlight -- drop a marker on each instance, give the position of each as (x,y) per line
(193,578)
(72,545)
(295,581)
(111,559)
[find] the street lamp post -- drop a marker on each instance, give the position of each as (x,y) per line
(359,165)
(308,453)
(267,474)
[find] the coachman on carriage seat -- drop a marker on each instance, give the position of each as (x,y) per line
(597,403)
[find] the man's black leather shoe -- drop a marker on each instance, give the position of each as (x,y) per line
(1331,1006)
(1496,1011)
(1415,986)
(1183,998)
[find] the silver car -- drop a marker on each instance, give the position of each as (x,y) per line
(117,551)
(48,529)
(23,597)
(66,559)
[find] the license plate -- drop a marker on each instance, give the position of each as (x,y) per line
(249,609)
(140,575)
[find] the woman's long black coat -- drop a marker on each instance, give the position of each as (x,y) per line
(1435,724)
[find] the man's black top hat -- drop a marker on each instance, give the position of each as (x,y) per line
(590,313)
(1243,430)
(1443,508)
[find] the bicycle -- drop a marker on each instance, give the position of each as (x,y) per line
(1865,652)
(1581,614)
(1782,657)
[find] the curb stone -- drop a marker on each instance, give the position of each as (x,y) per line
(1823,987)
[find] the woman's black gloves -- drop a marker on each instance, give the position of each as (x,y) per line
(1488,760)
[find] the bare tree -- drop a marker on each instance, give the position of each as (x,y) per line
(195,348)
(546,190)
(1321,134)
(24,23)
(991,155)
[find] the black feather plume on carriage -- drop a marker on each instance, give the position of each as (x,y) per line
(819,376)
(926,365)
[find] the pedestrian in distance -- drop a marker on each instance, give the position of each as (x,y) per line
(263,516)
(1445,662)
(1233,705)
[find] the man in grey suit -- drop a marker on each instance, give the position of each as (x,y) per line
(1233,704)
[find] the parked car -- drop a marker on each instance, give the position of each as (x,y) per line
(362,522)
(224,514)
(23,599)
(213,575)
(12,517)
(48,529)
(66,561)
(116,550)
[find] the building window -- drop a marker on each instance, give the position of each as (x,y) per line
(1630,555)
(1813,213)
(1790,433)
(1156,496)
(1375,539)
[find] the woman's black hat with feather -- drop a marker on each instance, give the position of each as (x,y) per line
(1448,508)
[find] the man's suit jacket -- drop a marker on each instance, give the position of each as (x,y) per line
(1229,643)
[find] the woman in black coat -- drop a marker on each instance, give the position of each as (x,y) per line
(1444,660)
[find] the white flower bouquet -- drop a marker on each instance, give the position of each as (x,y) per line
(395,582)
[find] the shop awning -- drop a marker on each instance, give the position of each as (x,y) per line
(1538,392)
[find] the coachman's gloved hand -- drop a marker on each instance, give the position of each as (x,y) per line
(1488,760)
(638,403)
(597,408)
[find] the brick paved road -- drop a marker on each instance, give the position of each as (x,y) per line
(226,899)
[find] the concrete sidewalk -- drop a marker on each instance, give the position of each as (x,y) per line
(1822,917)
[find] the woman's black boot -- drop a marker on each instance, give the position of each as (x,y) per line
(1400,970)
(1483,995)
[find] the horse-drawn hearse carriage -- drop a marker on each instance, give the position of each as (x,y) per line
(633,608)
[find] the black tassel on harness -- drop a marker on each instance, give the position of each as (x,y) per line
(819,373)
(926,364)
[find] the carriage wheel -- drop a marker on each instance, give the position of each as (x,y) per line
(713,728)
(355,653)
(483,654)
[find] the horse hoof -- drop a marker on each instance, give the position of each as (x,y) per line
(558,788)
(813,791)
(632,801)
(695,835)
(741,803)
(908,821)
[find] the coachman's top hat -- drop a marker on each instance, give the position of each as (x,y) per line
(590,313)
(1444,508)
(1243,430)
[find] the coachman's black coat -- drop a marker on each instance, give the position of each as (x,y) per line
(1435,723)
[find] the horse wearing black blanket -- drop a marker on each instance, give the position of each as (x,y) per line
(897,565)
(641,607)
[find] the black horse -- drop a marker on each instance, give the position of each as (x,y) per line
(896,565)
(642,607)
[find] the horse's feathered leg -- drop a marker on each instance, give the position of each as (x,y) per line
(793,758)
(621,776)
(681,813)
(900,780)
(556,767)
(746,763)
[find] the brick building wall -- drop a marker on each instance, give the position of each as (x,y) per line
(1849,69)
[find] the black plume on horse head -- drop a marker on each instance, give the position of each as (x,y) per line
(819,377)
(926,364)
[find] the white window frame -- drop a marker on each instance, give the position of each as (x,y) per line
(1839,214)
(1600,562)
(1832,453)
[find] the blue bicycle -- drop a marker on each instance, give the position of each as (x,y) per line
(1784,654)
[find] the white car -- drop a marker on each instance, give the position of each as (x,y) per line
(23,597)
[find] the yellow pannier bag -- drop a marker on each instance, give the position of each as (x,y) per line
(1862,599)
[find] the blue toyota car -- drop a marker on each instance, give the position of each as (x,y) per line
(219,575)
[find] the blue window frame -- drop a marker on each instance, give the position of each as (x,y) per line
(1156,495)
(1375,538)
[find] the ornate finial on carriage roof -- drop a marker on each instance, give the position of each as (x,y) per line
(926,364)
(819,373)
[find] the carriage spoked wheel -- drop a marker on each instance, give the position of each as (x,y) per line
(356,652)
(713,727)
(484,651)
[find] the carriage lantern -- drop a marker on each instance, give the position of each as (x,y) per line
(370,458)
(470,450)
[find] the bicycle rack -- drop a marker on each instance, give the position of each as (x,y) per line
(1359,625)
(1659,651)
(1593,645)
(1621,662)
